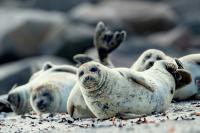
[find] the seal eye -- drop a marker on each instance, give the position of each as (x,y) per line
(158,58)
(148,56)
(93,69)
(81,73)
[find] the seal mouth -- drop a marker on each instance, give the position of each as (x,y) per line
(90,82)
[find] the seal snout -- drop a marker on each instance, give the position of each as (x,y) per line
(89,75)
(14,99)
(43,100)
(42,104)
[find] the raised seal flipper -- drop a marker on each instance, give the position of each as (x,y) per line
(107,41)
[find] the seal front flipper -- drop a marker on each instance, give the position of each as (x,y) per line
(126,116)
(181,76)
(135,77)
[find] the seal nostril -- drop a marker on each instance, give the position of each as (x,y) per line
(41,104)
(151,63)
(93,69)
(87,78)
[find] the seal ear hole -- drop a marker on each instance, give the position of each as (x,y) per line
(81,73)
(94,69)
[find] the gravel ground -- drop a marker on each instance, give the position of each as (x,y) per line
(182,117)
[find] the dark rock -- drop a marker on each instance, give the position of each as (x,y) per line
(134,16)
(19,72)
(49,5)
(26,33)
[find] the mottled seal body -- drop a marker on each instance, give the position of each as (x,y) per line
(51,94)
(192,64)
(110,92)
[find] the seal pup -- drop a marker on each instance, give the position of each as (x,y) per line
(127,93)
(148,58)
(18,96)
(105,42)
(51,93)
(189,62)
(192,64)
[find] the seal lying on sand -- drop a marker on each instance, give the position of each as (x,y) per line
(127,93)
(19,97)
(50,93)
(190,62)
(105,42)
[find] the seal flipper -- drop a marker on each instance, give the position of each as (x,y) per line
(185,80)
(70,108)
(81,59)
(106,41)
(181,76)
(135,77)
(47,66)
(126,116)
(65,68)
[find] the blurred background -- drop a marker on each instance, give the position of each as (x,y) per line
(35,31)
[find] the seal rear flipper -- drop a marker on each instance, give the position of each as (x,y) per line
(106,41)
(126,116)
(47,65)
(81,59)
(65,68)
(185,79)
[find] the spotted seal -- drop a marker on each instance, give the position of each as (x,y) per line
(127,93)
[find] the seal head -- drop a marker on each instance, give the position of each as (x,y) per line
(90,76)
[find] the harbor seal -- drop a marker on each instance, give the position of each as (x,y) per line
(19,97)
(105,42)
(148,58)
(189,62)
(127,93)
(51,93)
